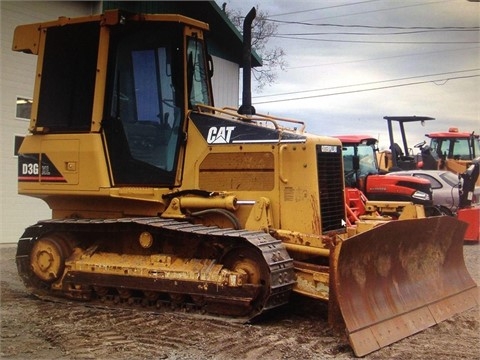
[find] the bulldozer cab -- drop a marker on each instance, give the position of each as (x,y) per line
(148,76)
(136,78)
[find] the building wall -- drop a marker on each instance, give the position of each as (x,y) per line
(225,87)
(17,79)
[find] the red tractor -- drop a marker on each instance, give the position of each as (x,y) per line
(364,181)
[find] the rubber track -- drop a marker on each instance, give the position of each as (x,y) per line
(282,275)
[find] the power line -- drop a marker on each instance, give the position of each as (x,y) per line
(379,58)
(376,26)
(351,14)
(324,8)
(371,89)
(379,10)
(378,34)
(368,83)
(365,90)
(379,42)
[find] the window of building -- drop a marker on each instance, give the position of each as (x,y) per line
(17,143)
(24,108)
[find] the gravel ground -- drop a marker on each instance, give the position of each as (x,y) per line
(32,328)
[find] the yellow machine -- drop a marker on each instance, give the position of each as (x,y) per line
(454,150)
(450,150)
(158,197)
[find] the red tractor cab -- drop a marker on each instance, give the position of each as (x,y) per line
(362,172)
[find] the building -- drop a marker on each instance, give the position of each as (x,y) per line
(18,73)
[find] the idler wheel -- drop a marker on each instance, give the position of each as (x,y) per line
(47,259)
(248,261)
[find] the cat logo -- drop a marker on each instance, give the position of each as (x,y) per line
(220,135)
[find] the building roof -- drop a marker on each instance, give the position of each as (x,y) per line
(226,40)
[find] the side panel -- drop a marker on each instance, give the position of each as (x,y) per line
(296,173)
(62,163)
(248,171)
(238,171)
(299,197)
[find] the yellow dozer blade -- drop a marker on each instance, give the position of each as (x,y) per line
(400,278)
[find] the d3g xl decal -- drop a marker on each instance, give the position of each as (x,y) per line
(38,168)
(28,167)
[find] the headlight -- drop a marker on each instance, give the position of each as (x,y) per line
(421,195)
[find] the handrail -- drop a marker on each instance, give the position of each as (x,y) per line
(231,111)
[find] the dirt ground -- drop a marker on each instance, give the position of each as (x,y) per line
(31,328)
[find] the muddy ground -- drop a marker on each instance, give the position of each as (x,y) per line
(35,329)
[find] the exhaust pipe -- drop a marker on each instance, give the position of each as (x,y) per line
(246,108)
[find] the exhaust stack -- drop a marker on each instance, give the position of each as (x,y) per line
(246,108)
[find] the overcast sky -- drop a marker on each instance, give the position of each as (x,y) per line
(411,57)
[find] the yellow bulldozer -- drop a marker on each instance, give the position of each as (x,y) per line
(158,197)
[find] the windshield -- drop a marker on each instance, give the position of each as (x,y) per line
(366,156)
(455,148)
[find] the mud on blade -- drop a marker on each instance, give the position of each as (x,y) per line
(401,278)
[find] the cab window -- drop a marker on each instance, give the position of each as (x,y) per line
(144,123)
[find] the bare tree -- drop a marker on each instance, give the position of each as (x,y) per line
(273,59)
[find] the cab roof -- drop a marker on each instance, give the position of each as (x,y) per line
(26,37)
(451,133)
(356,139)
